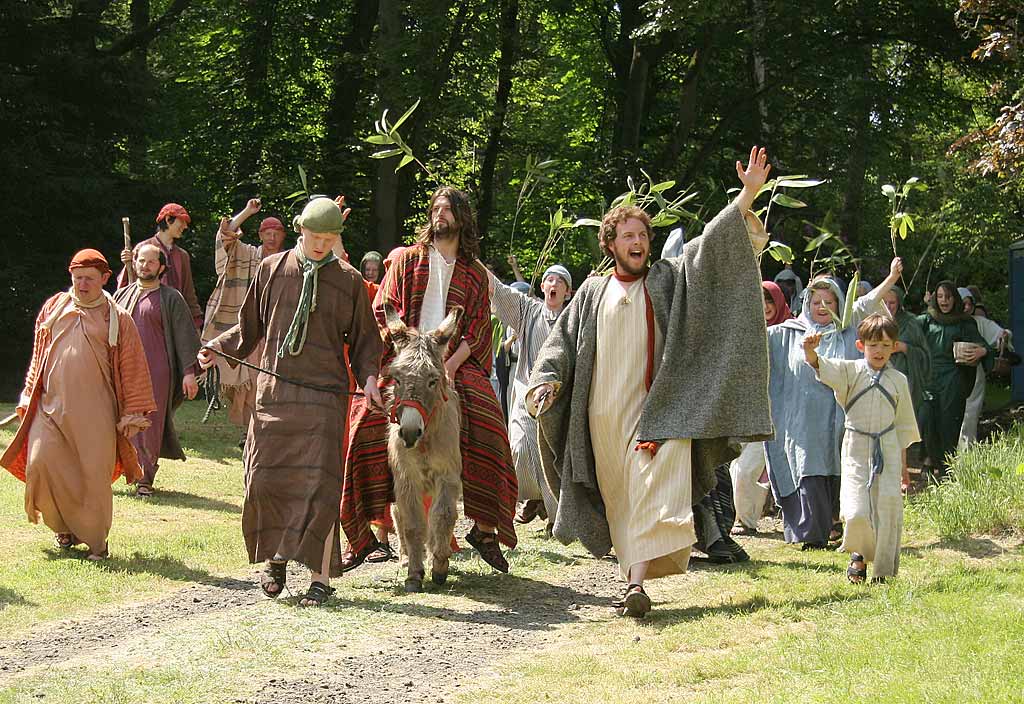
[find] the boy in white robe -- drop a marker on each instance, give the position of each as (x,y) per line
(880,425)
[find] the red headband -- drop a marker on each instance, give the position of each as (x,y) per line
(271,224)
(173,210)
(89,258)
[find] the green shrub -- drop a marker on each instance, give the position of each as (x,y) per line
(984,492)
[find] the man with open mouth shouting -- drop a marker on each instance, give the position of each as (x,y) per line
(640,390)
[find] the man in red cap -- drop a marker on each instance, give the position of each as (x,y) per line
(172,221)
(236,263)
(86,393)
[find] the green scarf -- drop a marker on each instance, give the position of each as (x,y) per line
(295,339)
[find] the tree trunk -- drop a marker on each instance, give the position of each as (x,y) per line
(349,81)
(138,140)
(509,32)
(259,37)
(851,216)
(385,220)
(689,93)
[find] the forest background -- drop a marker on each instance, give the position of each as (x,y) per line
(110,108)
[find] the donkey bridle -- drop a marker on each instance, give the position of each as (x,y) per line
(401,403)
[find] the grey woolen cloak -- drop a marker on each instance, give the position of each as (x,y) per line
(710,386)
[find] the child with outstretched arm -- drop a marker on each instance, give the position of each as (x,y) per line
(880,425)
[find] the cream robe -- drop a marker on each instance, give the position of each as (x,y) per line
(874,519)
(647,500)
(749,494)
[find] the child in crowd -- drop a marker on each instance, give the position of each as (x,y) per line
(880,425)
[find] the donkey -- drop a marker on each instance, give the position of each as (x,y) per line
(423,444)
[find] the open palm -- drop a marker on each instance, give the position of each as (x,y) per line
(758,168)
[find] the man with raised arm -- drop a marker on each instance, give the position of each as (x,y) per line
(236,263)
(649,380)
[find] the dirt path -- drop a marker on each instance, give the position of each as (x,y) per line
(432,663)
(450,647)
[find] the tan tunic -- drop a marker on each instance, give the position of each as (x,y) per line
(295,446)
(72,443)
(647,500)
(873,517)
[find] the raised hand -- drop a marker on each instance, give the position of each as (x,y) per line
(345,212)
(254,205)
(896,267)
(757,170)
(812,341)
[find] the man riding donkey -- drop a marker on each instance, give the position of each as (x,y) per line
(678,353)
(423,284)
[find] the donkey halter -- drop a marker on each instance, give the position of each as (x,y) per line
(401,403)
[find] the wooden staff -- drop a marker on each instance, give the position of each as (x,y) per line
(129,272)
(8,420)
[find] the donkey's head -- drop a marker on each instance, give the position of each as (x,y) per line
(421,387)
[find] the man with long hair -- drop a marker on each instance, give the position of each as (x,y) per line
(440,271)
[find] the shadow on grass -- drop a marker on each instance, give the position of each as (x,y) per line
(524,603)
(663,618)
(9,597)
(161,566)
(183,499)
(978,548)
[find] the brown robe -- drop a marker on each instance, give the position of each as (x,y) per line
(295,447)
(78,386)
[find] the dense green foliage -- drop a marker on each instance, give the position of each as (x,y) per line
(113,107)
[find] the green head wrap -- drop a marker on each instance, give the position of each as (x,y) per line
(320,215)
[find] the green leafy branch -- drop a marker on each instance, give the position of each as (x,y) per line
(841,255)
(536,173)
(387,135)
(557,225)
(299,196)
(900,221)
(777,250)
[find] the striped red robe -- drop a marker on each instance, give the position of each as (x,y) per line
(488,479)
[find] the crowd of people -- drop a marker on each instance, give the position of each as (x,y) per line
(661,409)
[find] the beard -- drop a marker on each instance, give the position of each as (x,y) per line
(443,230)
(148,278)
(626,265)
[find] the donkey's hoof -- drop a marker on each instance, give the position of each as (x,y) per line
(438,578)
(413,585)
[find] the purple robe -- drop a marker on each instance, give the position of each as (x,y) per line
(149,320)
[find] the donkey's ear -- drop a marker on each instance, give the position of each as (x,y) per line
(396,328)
(446,330)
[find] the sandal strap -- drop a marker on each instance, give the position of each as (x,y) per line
(318,592)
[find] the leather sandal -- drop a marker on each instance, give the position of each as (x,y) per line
(317,594)
(857,575)
(350,559)
(487,545)
(636,602)
(66,541)
(275,573)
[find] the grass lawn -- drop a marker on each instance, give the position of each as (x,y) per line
(785,627)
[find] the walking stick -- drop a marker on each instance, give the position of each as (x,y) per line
(129,273)
(8,420)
